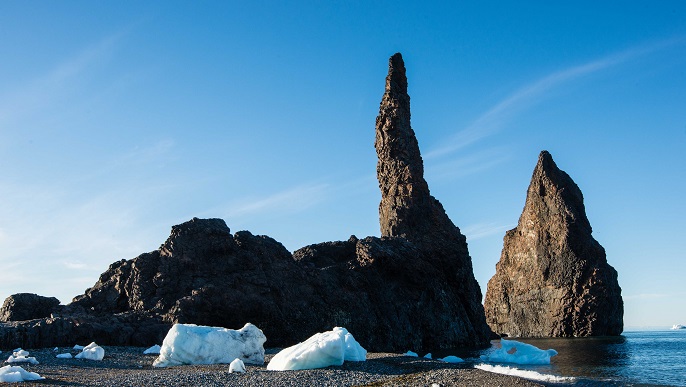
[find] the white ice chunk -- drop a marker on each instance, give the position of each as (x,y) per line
(427,356)
(237,366)
(78,347)
(21,352)
(451,359)
(154,350)
(194,344)
(91,352)
(411,354)
(319,351)
(14,374)
(64,356)
(526,374)
(56,349)
(512,351)
(678,326)
(21,359)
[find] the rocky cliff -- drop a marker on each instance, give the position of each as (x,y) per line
(413,288)
(553,279)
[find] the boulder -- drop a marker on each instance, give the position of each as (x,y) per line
(27,306)
(553,279)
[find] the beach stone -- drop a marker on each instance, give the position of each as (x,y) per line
(553,279)
(27,306)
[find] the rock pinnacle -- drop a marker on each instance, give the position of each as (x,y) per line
(553,279)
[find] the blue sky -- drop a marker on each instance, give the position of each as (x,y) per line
(121,119)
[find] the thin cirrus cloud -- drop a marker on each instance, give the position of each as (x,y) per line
(291,200)
(43,90)
(497,116)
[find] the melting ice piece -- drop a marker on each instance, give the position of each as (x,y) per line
(15,374)
(154,350)
(92,352)
(237,366)
(411,354)
(196,344)
(319,351)
(512,351)
(64,356)
(427,356)
(451,359)
(21,352)
(526,374)
(21,359)
(78,347)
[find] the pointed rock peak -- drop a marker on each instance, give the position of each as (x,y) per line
(546,162)
(396,81)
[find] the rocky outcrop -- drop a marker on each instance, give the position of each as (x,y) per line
(413,288)
(27,306)
(553,279)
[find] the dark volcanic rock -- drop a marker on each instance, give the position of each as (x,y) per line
(553,279)
(413,288)
(27,306)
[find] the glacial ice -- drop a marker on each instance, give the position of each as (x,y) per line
(21,356)
(411,354)
(237,366)
(64,356)
(14,374)
(197,344)
(427,356)
(526,374)
(512,351)
(319,351)
(452,359)
(92,352)
(154,350)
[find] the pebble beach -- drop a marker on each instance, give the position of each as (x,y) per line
(128,366)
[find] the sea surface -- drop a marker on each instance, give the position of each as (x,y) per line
(636,358)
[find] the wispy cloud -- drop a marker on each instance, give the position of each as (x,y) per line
(498,115)
(44,89)
(483,230)
(291,200)
(467,165)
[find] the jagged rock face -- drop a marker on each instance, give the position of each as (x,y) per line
(411,289)
(553,279)
(27,306)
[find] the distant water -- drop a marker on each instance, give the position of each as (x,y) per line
(637,358)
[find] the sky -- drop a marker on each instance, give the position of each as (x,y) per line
(121,119)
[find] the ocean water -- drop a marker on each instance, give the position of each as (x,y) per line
(636,358)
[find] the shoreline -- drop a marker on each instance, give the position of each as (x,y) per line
(128,366)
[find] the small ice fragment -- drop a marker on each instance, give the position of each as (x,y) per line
(427,356)
(64,356)
(512,351)
(411,354)
(56,349)
(154,350)
(451,359)
(319,351)
(78,347)
(15,374)
(92,352)
(21,359)
(21,352)
(237,366)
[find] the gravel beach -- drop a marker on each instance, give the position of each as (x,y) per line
(127,366)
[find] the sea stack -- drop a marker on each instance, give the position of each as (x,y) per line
(553,279)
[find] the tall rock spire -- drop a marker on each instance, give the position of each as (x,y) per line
(407,208)
(553,279)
